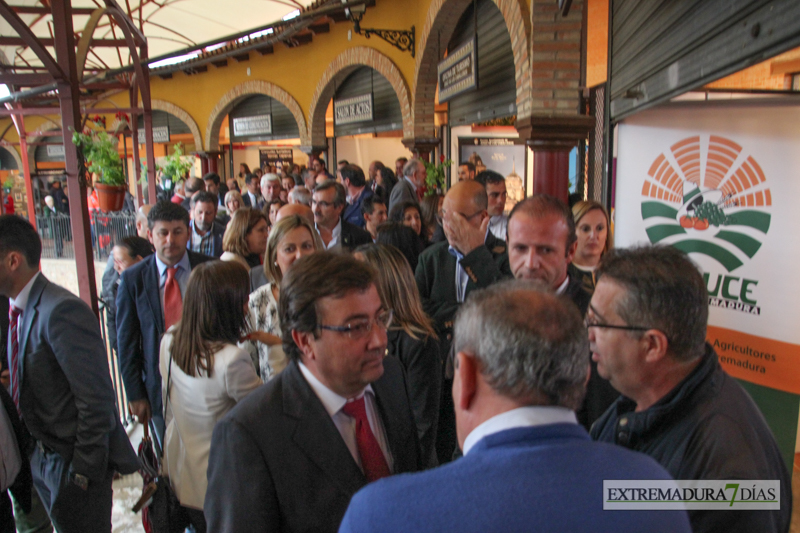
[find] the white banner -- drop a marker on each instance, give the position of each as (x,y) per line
(720,181)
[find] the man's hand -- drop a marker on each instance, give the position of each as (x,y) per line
(141,410)
(462,235)
(263,337)
(5,378)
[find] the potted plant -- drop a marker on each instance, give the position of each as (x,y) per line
(435,178)
(100,150)
(175,167)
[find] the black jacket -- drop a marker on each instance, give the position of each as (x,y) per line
(707,427)
(423,366)
(352,236)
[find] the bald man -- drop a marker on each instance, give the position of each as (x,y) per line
(295,209)
(471,258)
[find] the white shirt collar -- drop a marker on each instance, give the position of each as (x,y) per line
(184,262)
(22,298)
(331,401)
(563,287)
(539,415)
(335,234)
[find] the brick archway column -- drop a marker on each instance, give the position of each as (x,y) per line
(556,123)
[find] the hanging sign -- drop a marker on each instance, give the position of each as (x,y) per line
(255,125)
(279,157)
(458,72)
(719,182)
(160,134)
(55,150)
(352,110)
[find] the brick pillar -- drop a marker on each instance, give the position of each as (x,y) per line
(556,123)
(422,147)
(212,163)
(203,164)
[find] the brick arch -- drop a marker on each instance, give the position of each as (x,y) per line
(248,88)
(15,154)
(172,109)
(341,67)
(441,21)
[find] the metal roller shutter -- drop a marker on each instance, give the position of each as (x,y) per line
(386,112)
(284,125)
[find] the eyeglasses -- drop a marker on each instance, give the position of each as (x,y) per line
(589,323)
(360,328)
(322,204)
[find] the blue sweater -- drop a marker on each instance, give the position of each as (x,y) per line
(543,478)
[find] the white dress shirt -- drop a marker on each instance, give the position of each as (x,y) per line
(519,418)
(183,269)
(20,302)
(333,404)
(498,225)
(336,234)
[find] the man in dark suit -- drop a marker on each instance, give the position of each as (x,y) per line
(528,466)
(328,203)
(357,191)
(471,258)
(413,178)
(541,245)
(61,386)
(290,455)
(191,188)
(205,233)
(252,195)
(149,301)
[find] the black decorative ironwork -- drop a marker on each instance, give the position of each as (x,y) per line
(403,40)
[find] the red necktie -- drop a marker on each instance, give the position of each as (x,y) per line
(173,304)
(373,461)
(13,320)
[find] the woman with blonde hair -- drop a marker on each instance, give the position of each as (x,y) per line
(412,339)
(291,238)
(245,238)
(204,375)
(594,239)
(233,201)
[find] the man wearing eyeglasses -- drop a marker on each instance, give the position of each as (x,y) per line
(471,258)
(541,245)
(647,333)
(291,455)
(328,203)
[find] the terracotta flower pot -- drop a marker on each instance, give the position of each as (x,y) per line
(110,197)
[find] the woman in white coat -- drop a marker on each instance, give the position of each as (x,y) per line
(204,374)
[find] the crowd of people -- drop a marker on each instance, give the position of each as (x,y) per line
(296,340)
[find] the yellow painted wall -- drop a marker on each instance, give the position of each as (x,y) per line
(596,42)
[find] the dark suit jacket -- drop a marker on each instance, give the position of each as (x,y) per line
(436,277)
(66,396)
(352,213)
(278,463)
(402,192)
(140,326)
(23,484)
(259,201)
(352,236)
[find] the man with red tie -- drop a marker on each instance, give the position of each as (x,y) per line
(291,455)
(149,301)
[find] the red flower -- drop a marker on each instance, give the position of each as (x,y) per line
(441,158)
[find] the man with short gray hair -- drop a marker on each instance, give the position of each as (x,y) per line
(520,368)
(300,195)
(414,174)
(647,333)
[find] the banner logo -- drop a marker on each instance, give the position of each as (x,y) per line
(721,495)
(708,198)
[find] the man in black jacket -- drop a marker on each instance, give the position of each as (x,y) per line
(328,203)
(541,245)
(290,455)
(647,330)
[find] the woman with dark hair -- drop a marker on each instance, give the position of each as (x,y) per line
(204,375)
(271,210)
(245,238)
(385,181)
(411,339)
(409,214)
(403,238)
(431,210)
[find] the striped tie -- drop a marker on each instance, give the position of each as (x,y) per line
(13,319)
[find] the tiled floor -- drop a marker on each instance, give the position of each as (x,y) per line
(128,489)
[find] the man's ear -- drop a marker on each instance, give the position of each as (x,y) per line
(466,372)
(656,345)
(571,251)
(303,340)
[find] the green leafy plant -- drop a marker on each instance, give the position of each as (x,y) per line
(175,167)
(435,178)
(9,183)
(99,149)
